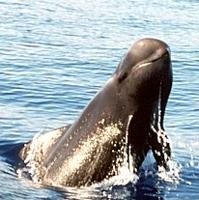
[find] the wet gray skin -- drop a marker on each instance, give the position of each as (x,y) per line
(133,99)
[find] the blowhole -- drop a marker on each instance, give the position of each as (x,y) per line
(122,77)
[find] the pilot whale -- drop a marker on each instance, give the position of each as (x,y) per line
(124,118)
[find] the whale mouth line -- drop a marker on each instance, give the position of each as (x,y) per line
(153,61)
(166,53)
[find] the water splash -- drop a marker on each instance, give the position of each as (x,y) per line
(35,154)
(172,175)
(124,177)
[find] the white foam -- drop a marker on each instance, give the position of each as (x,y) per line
(124,177)
(172,175)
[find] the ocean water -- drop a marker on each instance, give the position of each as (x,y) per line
(54,57)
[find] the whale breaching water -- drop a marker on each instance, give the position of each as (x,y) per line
(125,117)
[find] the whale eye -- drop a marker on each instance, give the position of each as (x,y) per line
(122,76)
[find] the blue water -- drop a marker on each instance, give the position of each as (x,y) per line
(54,57)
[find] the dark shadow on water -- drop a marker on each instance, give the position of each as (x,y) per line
(9,151)
(139,191)
(147,188)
